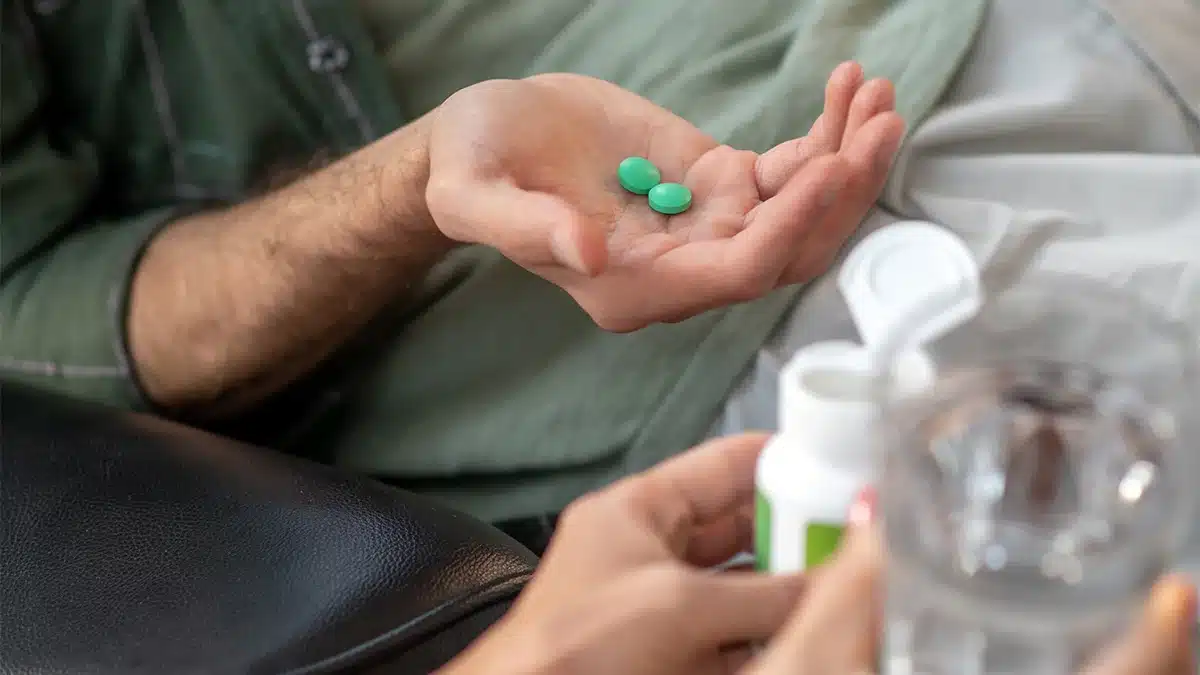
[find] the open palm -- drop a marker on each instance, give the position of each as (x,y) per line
(529,167)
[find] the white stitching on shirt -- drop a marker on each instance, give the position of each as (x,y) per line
(207,149)
(52,369)
(49,368)
(161,94)
(339,83)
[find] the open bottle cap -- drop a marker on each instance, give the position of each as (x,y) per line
(827,399)
(906,285)
(892,272)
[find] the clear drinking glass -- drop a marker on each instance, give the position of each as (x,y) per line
(1034,494)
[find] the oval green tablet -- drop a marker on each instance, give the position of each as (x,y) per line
(638,175)
(670,198)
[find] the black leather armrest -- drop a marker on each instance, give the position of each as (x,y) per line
(133,545)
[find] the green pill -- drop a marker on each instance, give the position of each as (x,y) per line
(638,175)
(670,198)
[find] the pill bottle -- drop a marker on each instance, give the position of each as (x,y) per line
(824,453)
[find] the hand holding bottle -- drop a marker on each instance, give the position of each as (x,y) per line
(626,585)
(836,627)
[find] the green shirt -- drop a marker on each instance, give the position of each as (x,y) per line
(116,117)
(497,393)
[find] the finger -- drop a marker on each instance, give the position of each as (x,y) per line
(779,229)
(777,166)
(722,539)
(695,489)
(873,98)
(750,264)
(729,660)
(738,607)
(1160,643)
(869,158)
(774,168)
(736,658)
(872,150)
(717,272)
(843,84)
(531,228)
(836,628)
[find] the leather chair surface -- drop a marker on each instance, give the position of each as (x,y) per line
(133,545)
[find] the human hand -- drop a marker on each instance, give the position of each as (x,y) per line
(624,588)
(529,167)
(836,628)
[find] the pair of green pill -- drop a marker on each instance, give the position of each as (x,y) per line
(639,176)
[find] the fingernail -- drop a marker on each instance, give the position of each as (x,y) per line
(1186,602)
(566,252)
(862,513)
(1174,601)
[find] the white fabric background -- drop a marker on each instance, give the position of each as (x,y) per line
(1069,142)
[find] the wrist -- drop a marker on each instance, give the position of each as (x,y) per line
(395,214)
(403,190)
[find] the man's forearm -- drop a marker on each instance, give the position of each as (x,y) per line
(228,307)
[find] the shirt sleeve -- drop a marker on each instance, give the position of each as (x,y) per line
(64,273)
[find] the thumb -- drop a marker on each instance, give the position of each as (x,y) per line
(533,229)
(1160,643)
(732,608)
(835,630)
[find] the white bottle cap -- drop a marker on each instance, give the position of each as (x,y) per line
(906,285)
(827,404)
(895,270)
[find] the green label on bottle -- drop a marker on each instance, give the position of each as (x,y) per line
(820,542)
(762,532)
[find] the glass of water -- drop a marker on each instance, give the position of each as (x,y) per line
(1033,495)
